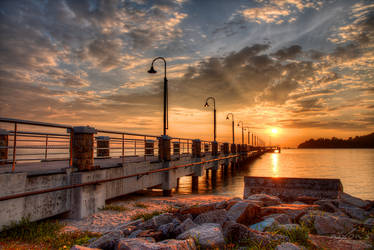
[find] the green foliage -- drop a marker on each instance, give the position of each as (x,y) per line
(46,233)
(140,205)
(150,215)
(300,235)
(114,208)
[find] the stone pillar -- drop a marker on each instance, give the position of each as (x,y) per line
(238,148)
(176,148)
(226,148)
(195,183)
(83,147)
(206,147)
(102,148)
(164,148)
(233,149)
(196,148)
(214,148)
(4,143)
(149,149)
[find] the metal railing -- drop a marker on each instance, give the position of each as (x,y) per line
(30,142)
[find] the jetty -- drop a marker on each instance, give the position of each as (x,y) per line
(52,169)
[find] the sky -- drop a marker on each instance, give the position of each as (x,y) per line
(303,67)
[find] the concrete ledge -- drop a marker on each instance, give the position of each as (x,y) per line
(291,188)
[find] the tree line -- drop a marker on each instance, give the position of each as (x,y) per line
(365,141)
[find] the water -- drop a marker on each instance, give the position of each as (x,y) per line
(355,168)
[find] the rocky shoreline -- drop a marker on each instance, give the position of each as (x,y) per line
(259,221)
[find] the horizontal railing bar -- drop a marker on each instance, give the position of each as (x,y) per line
(38,133)
(45,124)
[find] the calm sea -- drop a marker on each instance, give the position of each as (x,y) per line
(355,168)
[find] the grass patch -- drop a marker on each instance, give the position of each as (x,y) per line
(146,216)
(140,205)
(44,233)
(299,235)
(114,208)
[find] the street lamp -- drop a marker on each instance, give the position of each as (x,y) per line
(214,109)
(233,126)
(153,71)
(248,134)
(242,131)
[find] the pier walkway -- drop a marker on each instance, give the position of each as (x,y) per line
(50,169)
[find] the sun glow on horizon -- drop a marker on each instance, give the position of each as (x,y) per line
(274,130)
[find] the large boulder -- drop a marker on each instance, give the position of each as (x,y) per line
(280,218)
(295,211)
(184,226)
(108,241)
(143,243)
(243,212)
(267,200)
(334,243)
(332,225)
(216,216)
(239,233)
(207,235)
(353,212)
(354,201)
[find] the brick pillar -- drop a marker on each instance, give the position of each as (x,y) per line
(83,147)
(196,148)
(164,148)
(233,149)
(214,148)
(239,148)
(226,148)
(176,148)
(102,147)
(4,143)
(149,149)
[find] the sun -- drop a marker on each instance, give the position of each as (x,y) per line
(274,130)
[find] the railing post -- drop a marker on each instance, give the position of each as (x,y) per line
(83,147)
(196,148)
(46,148)
(214,148)
(123,149)
(103,148)
(233,149)
(14,147)
(164,148)
(4,144)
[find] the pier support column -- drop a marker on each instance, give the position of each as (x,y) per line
(233,149)
(4,143)
(214,148)
(226,150)
(103,148)
(164,148)
(195,183)
(164,155)
(196,148)
(83,148)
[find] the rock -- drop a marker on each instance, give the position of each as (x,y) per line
(183,217)
(299,203)
(184,226)
(280,218)
(267,200)
(198,209)
(238,233)
(162,219)
(307,199)
(334,243)
(327,205)
(124,226)
(231,203)
(216,216)
(357,202)
(128,230)
(167,230)
(221,205)
(141,243)
(369,223)
(157,235)
(107,241)
(207,235)
(287,246)
(354,212)
(243,212)
(78,247)
(135,233)
(267,223)
(293,210)
(327,225)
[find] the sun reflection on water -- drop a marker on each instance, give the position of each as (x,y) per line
(274,161)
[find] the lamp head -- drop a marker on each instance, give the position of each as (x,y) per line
(227,117)
(206,104)
(152,70)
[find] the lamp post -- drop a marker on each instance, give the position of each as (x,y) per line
(233,126)
(242,131)
(214,109)
(153,71)
(248,134)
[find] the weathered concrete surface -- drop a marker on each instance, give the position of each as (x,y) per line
(83,201)
(291,188)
